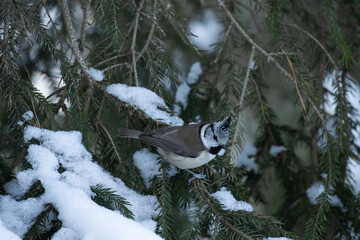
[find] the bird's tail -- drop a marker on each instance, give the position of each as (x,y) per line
(128,133)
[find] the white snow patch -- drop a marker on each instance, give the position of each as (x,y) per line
(6,234)
(17,216)
(316,189)
(66,233)
(182,93)
(354,175)
(147,101)
(96,74)
(194,74)
(229,202)
(70,192)
(26,117)
(148,165)
(253,66)
(244,158)
(207,31)
(353,96)
(275,150)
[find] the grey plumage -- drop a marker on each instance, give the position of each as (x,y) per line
(170,139)
(188,146)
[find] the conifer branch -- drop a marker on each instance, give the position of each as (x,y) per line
(112,142)
(133,42)
(268,56)
(295,82)
(151,32)
(84,24)
(242,96)
(75,49)
(317,42)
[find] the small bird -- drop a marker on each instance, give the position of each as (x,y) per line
(188,146)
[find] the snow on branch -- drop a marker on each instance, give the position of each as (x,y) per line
(147,101)
(230,203)
(70,192)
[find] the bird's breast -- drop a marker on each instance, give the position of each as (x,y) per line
(186,162)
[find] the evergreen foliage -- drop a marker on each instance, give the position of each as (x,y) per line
(267,48)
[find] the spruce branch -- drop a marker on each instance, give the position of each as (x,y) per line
(295,82)
(317,42)
(151,32)
(75,50)
(85,7)
(242,96)
(112,142)
(207,199)
(133,42)
(268,56)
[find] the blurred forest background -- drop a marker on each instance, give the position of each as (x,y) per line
(287,71)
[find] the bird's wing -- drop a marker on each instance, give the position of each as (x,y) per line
(172,139)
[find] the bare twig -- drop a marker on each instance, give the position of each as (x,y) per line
(269,57)
(75,49)
(317,42)
(295,82)
(242,96)
(84,24)
(112,142)
(151,32)
(117,65)
(133,42)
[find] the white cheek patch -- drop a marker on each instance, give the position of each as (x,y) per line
(221,152)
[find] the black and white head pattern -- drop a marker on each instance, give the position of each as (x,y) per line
(215,135)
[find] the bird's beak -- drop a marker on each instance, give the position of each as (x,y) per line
(222,151)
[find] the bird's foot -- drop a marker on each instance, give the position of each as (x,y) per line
(195,175)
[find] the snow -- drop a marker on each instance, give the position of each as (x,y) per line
(66,233)
(275,150)
(354,175)
(17,216)
(353,96)
(253,66)
(244,158)
(26,117)
(6,234)
(207,31)
(147,101)
(96,74)
(230,203)
(70,192)
(182,93)
(316,189)
(194,74)
(148,165)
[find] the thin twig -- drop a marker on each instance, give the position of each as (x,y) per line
(295,82)
(317,42)
(112,142)
(151,32)
(269,58)
(117,65)
(242,96)
(84,24)
(133,42)
(206,197)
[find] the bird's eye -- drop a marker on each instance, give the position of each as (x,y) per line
(215,138)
